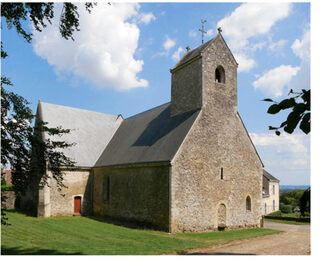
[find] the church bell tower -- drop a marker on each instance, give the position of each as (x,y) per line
(205,78)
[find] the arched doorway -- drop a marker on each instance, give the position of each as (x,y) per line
(77,205)
(222,217)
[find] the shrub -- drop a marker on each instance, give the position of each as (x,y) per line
(285,208)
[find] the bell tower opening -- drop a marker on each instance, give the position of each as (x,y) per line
(220,75)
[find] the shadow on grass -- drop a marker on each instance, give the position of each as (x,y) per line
(23,212)
(33,251)
(128,224)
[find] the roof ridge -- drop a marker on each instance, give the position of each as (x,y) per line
(76,108)
(148,110)
(189,53)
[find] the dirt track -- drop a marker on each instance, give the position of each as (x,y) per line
(294,241)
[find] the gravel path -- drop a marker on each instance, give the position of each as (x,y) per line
(294,241)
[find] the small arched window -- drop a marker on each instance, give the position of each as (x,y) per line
(248,203)
(220,75)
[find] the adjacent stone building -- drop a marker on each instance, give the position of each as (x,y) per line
(270,193)
(187,165)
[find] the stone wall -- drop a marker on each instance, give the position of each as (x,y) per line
(217,140)
(9,199)
(79,183)
(136,194)
(52,202)
(186,88)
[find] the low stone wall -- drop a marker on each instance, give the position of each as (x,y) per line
(289,218)
(9,199)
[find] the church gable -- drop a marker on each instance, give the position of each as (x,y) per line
(218,44)
(90,131)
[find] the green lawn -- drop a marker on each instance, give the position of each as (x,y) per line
(228,236)
(80,235)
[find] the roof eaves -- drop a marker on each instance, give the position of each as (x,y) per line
(186,63)
(139,164)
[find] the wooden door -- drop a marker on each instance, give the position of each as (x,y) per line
(77,205)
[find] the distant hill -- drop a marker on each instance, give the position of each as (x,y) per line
(293,187)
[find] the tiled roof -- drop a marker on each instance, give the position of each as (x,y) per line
(269,176)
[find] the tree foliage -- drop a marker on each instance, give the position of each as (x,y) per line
(285,208)
(22,147)
(39,14)
(305,202)
(300,112)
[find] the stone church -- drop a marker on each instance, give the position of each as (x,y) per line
(187,165)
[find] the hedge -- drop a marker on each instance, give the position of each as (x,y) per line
(289,218)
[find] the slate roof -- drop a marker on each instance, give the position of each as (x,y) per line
(91,131)
(148,137)
(269,176)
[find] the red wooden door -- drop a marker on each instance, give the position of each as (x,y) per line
(77,205)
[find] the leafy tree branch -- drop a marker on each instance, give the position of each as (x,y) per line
(300,113)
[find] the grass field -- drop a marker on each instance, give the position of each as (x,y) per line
(85,236)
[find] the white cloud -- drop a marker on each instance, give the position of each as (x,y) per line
(290,151)
(277,45)
(169,43)
(176,55)
(210,32)
(245,63)
(146,18)
(301,48)
(101,53)
(250,20)
(193,33)
(283,143)
(257,46)
(273,81)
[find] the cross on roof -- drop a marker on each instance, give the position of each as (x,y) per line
(219,30)
(202,30)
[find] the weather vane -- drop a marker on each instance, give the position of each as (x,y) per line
(202,30)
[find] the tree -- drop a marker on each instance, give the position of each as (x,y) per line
(305,202)
(22,147)
(300,112)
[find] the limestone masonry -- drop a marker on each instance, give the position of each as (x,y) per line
(188,165)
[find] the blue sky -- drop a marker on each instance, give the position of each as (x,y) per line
(120,63)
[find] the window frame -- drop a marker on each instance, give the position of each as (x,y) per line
(106,189)
(221,78)
(248,203)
